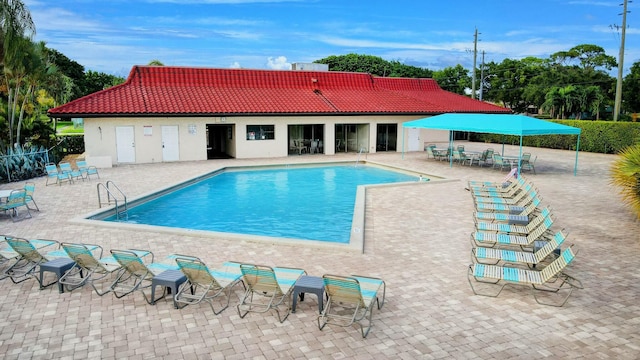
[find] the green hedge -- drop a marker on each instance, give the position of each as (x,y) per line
(605,137)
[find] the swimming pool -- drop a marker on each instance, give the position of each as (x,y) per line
(297,202)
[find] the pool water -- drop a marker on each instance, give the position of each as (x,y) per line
(310,203)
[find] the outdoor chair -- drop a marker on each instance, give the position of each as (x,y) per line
(90,268)
(500,162)
(54,173)
(551,279)
(525,242)
(206,285)
(544,216)
(527,164)
(65,168)
(494,256)
(30,258)
(267,288)
(85,170)
(509,218)
(29,189)
(136,275)
(528,192)
(506,191)
(488,184)
(351,299)
(16,199)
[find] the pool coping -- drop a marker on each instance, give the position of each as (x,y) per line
(356,239)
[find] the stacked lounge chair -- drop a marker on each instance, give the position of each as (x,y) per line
(514,243)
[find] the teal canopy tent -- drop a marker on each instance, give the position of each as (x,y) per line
(518,125)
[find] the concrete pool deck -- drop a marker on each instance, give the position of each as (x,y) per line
(416,239)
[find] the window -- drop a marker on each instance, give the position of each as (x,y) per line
(260,132)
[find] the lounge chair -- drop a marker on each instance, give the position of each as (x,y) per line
(85,170)
(505,182)
(350,300)
(493,256)
(205,285)
(510,218)
(89,268)
(29,189)
(30,258)
(544,216)
(16,199)
(54,173)
(492,239)
(508,209)
(65,168)
(550,279)
(271,288)
(136,274)
(507,191)
(527,191)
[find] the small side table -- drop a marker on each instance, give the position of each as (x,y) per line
(57,266)
(171,279)
(310,284)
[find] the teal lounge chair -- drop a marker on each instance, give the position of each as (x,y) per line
(65,168)
(30,258)
(206,285)
(29,189)
(510,218)
(493,239)
(90,268)
(493,256)
(544,216)
(16,200)
(58,176)
(351,300)
(551,279)
(85,170)
(267,288)
(136,275)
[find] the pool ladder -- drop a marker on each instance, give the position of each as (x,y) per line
(358,158)
(112,190)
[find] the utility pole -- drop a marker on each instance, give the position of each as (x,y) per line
(618,100)
(473,72)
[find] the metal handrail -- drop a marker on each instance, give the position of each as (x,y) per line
(111,197)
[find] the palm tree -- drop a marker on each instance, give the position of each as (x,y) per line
(15,22)
(625,173)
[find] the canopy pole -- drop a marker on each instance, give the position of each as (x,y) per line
(450,148)
(404,133)
(575,167)
(520,156)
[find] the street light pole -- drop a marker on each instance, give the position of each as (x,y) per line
(618,100)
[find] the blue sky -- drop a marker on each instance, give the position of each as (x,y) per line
(113,35)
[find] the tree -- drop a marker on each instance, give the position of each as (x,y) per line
(373,65)
(631,89)
(95,81)
(155,62)
(625,173)
(16,23)
(588,56)
(455,79)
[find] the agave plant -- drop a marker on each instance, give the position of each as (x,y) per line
(625,173)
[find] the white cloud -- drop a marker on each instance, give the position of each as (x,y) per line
(278,63)
(235,65)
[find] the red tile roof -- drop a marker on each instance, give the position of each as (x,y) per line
(168,90)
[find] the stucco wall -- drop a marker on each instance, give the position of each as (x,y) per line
(100,135)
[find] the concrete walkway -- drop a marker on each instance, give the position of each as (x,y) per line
(416,239)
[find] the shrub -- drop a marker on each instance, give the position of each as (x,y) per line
(625,174)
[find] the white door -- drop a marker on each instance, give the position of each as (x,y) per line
(413,139)
(125,144)
(170,145)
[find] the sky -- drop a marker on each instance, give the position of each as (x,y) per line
(112,36)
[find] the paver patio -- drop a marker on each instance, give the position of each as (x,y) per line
(416,239)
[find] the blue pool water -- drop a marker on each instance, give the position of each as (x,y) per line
(311,203)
